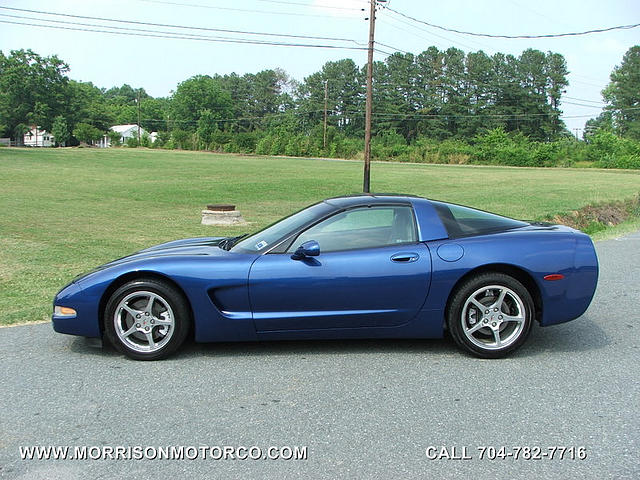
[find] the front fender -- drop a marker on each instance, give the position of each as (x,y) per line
(197,276)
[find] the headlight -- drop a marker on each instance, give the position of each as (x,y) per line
(59,311)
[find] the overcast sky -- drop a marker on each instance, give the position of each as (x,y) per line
(159,64)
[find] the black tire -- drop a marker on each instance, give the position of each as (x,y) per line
(497,329)
(147,319)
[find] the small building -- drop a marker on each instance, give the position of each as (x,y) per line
(38,137)
(125,131)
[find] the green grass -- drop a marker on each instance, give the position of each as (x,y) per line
(64,211)
(628,226)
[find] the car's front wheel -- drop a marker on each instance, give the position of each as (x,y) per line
(146,319)
(490,315)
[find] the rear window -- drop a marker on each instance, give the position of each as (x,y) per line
(464,221)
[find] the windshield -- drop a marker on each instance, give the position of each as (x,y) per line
(277,231)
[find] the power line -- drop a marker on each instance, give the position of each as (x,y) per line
(597,107)
(182,36)
(184,27)
(232,9)
(122,29)
(316,5)
(387,116)
(266,116)
(585,100)
(165,34)
(385,22)
(397,50)
(430,33)
(455,115)
(489,35)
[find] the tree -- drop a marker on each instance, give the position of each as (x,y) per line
(397,96)
(206,128)
(255,96)
(153,113)
(556,69)
(32,89)
(60,131)
(195,95)
(145,140)
(265,92)
(19,131)
(86,133)
(132,142)
(623,94)
(122,104)
(345,94)
(86,104)
(125,95)
(114,138)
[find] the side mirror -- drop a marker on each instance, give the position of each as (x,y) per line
(307,249)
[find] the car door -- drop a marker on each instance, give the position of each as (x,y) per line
(371,272)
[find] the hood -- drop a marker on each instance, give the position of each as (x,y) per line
(185,242)
(187,246)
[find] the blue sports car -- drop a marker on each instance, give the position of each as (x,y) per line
(362,266)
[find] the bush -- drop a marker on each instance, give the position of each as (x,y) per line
(132,142)
(454,151)
(345,147)
(610,151)
(114,138)
(389,145)
(496,147)
(162,140)
(145,141)
(86,133)
(244,142)
(568,151)
(493,147)
(182,139)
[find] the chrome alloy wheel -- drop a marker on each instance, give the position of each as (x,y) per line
(493,317)
(144,321)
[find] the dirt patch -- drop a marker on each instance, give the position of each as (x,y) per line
(593,218)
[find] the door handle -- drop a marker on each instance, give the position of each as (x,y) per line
(405,257)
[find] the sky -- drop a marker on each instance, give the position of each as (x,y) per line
(159,64)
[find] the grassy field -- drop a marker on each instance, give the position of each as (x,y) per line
(63,211)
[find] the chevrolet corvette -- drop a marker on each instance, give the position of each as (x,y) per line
(362,266)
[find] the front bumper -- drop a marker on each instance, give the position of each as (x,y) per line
(84,323)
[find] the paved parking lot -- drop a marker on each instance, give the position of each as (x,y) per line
(363,409)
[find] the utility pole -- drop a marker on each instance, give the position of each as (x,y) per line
(138,117)
(326,97)
(368,108)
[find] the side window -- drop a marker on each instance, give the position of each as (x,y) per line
(460,221)
(364,227)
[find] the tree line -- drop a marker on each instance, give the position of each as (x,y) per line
(435,96)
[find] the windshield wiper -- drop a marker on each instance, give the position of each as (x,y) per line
(227,243)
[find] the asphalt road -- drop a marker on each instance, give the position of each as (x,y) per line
(364,409)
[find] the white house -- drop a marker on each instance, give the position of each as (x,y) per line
(38,137)
(125,131)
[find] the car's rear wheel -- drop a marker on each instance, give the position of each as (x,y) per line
(490,315)
(147,319)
